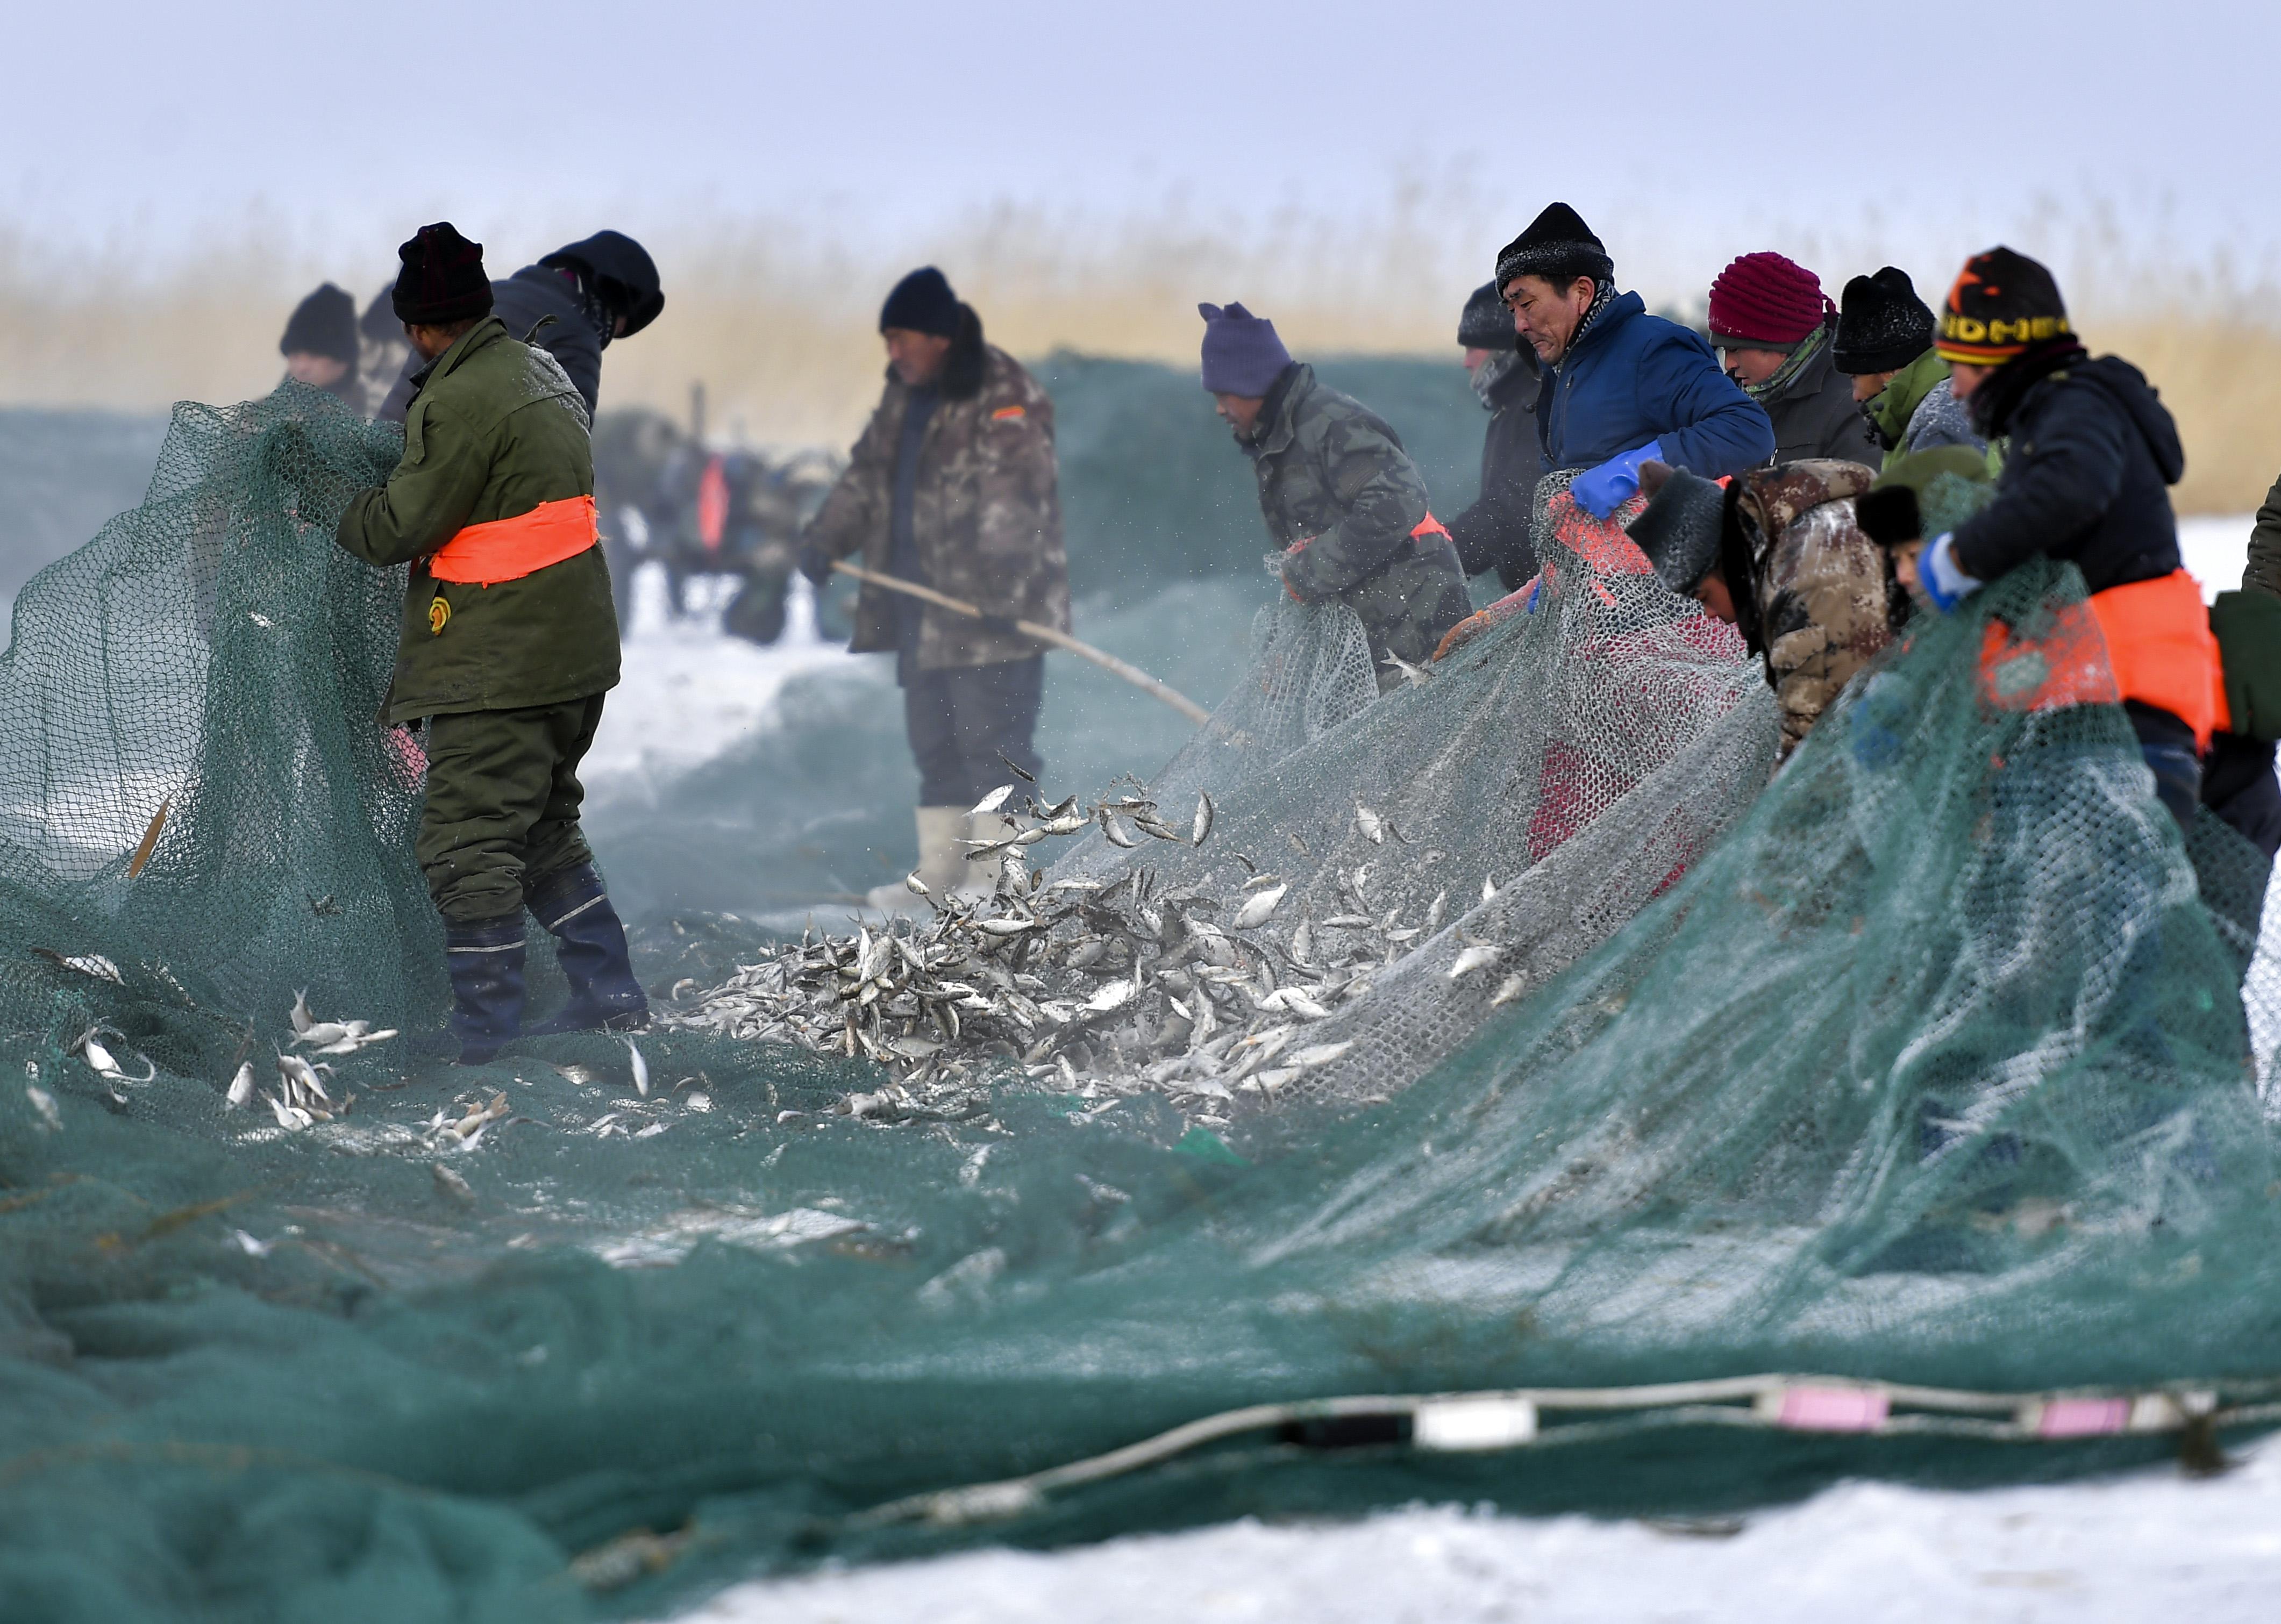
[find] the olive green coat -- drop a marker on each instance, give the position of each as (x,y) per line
(495,430)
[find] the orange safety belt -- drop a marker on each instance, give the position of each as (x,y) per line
(2147,640)
(509,548)
(1429,525)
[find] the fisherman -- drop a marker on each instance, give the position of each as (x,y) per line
(571,305)
(2262,573)
(1885,344)
(1343,503)
(383,355)
(1933,492)
(320,345)
(509,643)
(1776,554)
(1774,326)
(1619,387)
(954,485)
(2092,454)
(1493,533)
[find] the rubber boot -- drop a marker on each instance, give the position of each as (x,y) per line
(589,944)
(485,958)
(942,865)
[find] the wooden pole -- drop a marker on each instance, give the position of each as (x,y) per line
(1134,675)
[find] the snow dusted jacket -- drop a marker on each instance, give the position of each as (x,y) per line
(986,512)
(1629,378)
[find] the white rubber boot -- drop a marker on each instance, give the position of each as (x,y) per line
(942,863)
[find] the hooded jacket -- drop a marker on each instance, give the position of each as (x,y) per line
(1630,377)
(986,512)
(1494,534)
(2094,452)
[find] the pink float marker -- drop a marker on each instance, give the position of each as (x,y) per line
(2082,1418)
(1832,1409)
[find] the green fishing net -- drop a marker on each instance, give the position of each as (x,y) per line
(1927,1063)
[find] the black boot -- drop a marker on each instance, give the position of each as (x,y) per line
(486,962)
(589,944)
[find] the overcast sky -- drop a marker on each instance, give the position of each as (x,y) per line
(147,127)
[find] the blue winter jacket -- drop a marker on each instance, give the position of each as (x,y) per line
(1634,378)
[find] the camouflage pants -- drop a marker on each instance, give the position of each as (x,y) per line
(502,806)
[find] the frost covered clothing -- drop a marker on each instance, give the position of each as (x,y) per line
(985,511)
(1344,502)
(2262,573)
(1812,406)
(1493,533)
(495,431)
(1628,378)
(961,718)
(1916,411)
(2094,452)
(1819,594)
(537,297)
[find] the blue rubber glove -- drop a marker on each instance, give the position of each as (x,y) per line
(1943,580)
(1600,491)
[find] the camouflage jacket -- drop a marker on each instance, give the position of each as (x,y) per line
(987,516)
(1820,588)
(1334,476)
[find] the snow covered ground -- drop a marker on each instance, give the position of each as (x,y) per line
(2116,1551)
(2124,1549)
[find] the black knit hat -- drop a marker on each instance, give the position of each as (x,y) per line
(2002,303)
(325,323)
(443,279)
(1881,324)
(921,302)
(1679,529)
(1487,324)
(1558,246)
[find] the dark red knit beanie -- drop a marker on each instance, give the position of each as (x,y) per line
(1764,301)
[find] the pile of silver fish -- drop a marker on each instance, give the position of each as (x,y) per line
(1114,986)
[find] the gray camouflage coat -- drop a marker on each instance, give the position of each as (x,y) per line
(986,515)
(1333,476)
(1823,595)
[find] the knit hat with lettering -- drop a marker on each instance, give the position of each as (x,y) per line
(1765,302)
(2002,303)
(443,279)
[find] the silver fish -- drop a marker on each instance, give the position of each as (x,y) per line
(1256,910)
(641,1069)
(1372,825)
(1201,825)
(241,1088)
(1471,959)
(992,802)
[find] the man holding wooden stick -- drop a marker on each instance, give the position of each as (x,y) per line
(954,485)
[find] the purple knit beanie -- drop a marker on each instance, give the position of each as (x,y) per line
(1242,355)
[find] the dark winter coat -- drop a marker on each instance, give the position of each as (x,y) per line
(2263,571)
(2092,455)
(1333,474)
(1631,378)
(1816,415)
(495,428)
(1493,533)
(986,514)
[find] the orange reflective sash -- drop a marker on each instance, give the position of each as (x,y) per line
(1429,525)
(2148,640)
(509,548)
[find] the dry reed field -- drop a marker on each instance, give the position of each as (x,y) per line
(777,318)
